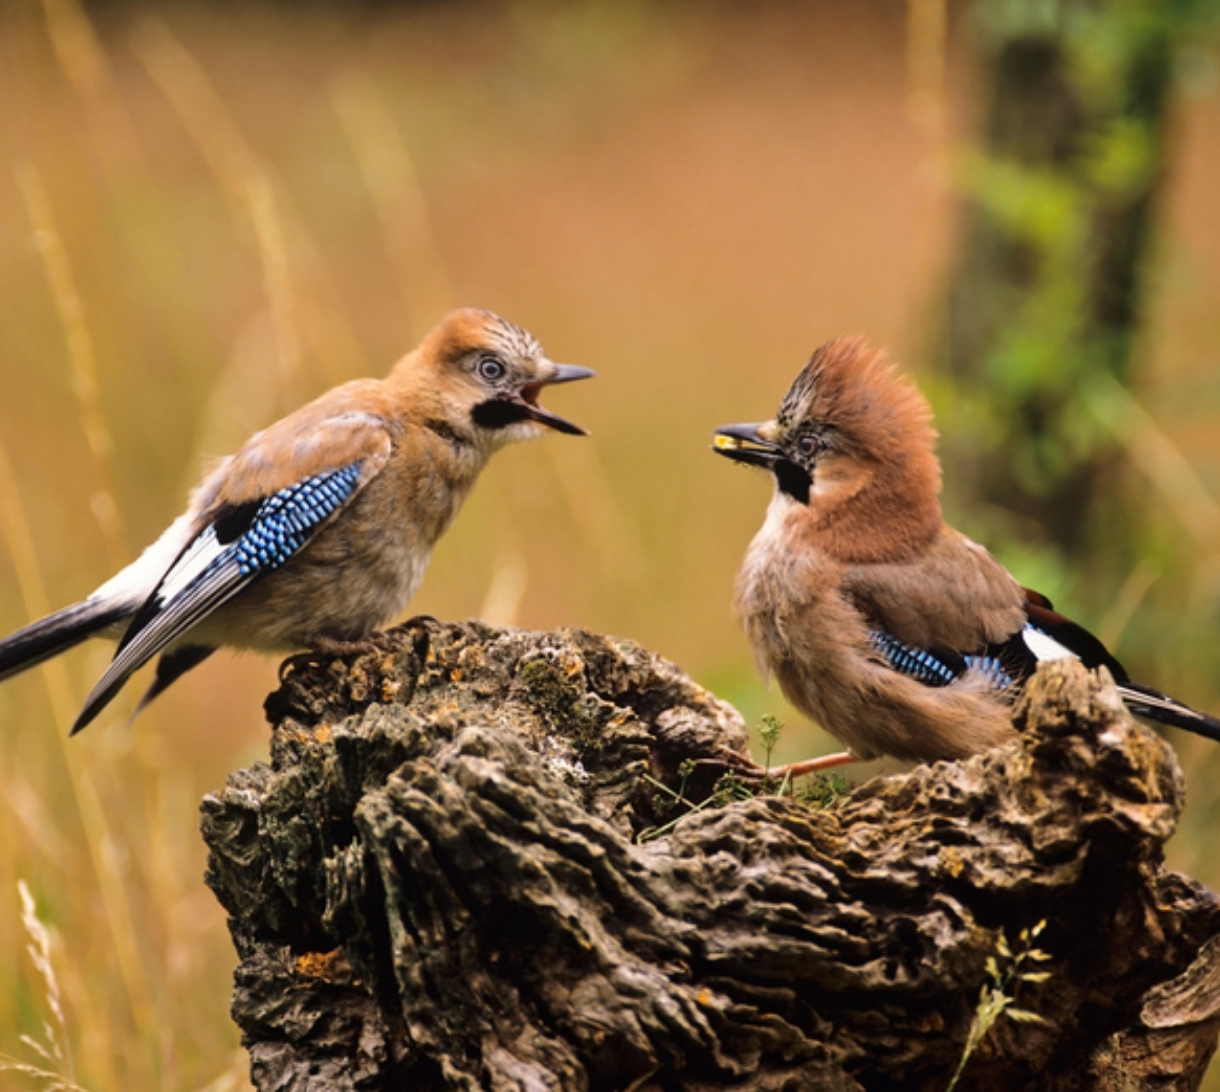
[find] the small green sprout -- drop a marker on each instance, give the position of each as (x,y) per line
(769,733)
(999,992)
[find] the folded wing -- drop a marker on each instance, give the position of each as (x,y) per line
(241,545)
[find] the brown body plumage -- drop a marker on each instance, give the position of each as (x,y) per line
(421,453)
(320,526)
(896,633)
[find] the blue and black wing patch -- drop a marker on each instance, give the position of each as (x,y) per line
(286,520)
(937,667)
(1046,635)
(243,544)
(929,668)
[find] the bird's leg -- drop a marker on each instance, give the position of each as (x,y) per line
(419,621)
(417,629)
(382,640)
(810,766)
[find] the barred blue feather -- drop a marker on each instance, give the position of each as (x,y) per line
(993,670)
(240,546)
(918,663)
(285,520)
(319,527)
(936,668)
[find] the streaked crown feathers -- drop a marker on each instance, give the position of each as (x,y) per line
(876,412)
(469,329)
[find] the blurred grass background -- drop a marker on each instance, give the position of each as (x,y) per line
(212,213)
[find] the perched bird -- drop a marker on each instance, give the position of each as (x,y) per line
(318,529)
(896,633)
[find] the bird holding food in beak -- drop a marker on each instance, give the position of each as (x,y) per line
(896,633)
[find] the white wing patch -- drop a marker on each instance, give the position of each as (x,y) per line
(136,582)
(1043,647)
(193,561)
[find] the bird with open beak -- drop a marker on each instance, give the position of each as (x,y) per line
(320,527)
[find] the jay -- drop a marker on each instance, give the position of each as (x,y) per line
(319,528)
(896,633)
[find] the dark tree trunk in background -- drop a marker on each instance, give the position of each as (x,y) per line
(460,872)
(1046,300)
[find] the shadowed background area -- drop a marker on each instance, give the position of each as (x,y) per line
(211,214)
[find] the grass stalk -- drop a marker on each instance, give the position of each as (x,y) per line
(184,83)
(277,283)
(116,910)
(392,180)
(82,358)
(1155,454)
(85,63)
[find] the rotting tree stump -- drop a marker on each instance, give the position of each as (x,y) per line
(438,883)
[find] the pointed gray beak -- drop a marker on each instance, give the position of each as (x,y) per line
(745,444)
(528,398)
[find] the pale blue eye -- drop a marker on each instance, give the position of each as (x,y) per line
(490,368)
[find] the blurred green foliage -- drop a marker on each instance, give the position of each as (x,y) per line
(1051,324)
(1051,291)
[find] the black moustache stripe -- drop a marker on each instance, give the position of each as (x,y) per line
(793,480)
(499,413)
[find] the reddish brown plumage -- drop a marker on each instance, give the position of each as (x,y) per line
(875,497)
(414,477)
(897,633)
(867,550)
(363,418)
(879,411)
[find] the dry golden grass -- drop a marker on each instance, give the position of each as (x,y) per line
(209,217)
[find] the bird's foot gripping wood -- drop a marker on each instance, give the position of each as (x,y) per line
(448,888)
(383,642)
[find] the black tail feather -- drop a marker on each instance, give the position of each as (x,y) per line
(56,633)
(170,667)
(1152,704)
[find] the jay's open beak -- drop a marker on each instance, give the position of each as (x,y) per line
(747,444)
(527,398)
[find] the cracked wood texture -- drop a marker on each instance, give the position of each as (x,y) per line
(438,883)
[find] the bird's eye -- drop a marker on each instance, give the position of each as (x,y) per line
(809,444)
(490,368)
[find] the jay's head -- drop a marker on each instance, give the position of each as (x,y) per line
(851,424)
(483,375)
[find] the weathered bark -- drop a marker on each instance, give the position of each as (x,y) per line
(439,883)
